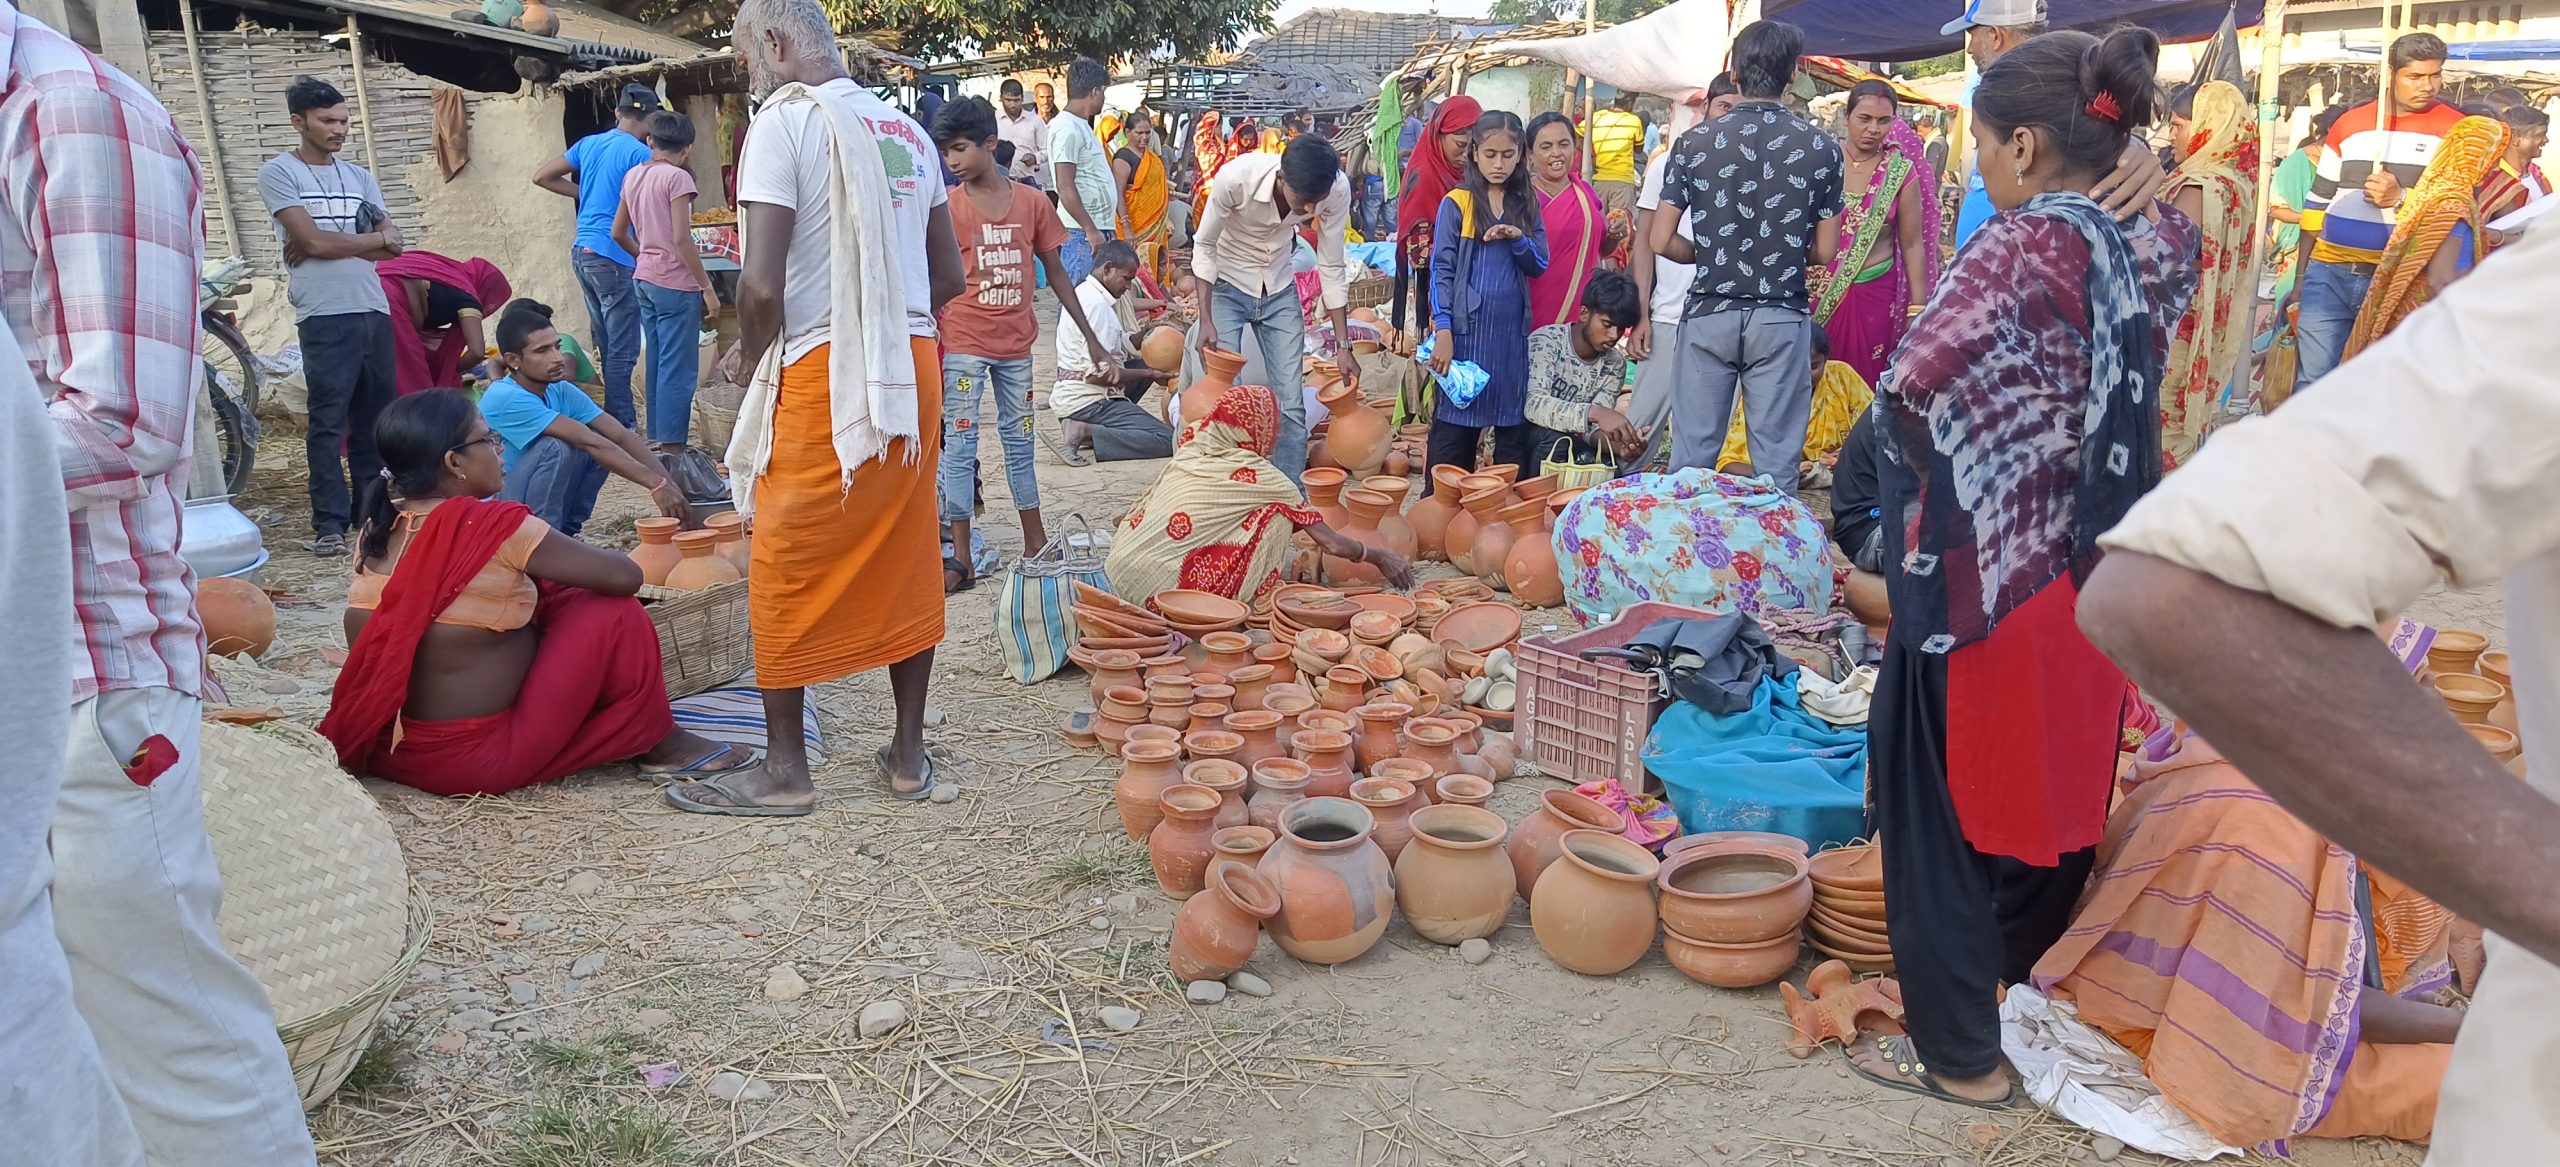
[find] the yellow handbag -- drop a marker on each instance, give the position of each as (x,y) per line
(1569,473)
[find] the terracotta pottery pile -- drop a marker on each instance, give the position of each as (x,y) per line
(1846,922)
(2476,688)
(1731,906)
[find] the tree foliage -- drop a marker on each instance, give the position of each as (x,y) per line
(1103,29)
(1606,12)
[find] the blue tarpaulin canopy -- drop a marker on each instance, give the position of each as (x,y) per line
(1907,30)
(2514,50)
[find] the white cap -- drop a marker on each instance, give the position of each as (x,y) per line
(1997,14)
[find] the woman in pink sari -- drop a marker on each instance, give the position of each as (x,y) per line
(1577,222)
(1888,257)
(437,306)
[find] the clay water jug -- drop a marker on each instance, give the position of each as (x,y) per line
(1433,741)
(1327,754)
(1535,843)
(1531,569)
(1260,729)
(1413,772)
(1252,685)
(1484,495)
(1147,769)
(1453,881)
(1393,526)
(1337,891)
(1179,848)
(1219,368)
(1276,783)
(1215,933)
(1391,803)
(1594,911)
(1495,537)
(1227,778)
(1324,485)
(1111,668)
(1381,730)
(657,554)
(1431,516)
(1366,509)
(1359,435)
(733,538)
(699,568)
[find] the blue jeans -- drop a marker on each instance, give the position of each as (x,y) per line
(1280,332)
(558,480)
(2332,295)
(672,322)
(963,377)
(1077,256)
(614,313)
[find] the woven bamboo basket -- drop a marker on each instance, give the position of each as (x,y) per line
(316,897)
(1370,293)
(715,415)
(702,636)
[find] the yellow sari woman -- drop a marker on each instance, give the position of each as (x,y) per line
(1144,195)
(2215,183)
(2443,210)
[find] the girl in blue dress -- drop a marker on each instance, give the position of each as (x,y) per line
(1488,240)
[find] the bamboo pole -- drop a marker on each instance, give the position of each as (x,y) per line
(1590,151)
(2270,88)
(212,136)
(364,109)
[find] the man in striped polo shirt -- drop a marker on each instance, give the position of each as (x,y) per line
(2363,174)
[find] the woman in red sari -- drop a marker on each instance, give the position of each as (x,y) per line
(1438,165)
(437,306)
(1577,222)
(1888,258)
(489,651)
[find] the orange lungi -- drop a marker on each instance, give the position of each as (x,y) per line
(844,581)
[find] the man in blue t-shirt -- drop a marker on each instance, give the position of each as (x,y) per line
(591,174)
(555,444)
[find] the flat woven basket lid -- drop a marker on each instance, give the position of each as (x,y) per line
(315,895)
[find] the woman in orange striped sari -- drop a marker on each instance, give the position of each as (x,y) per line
(2273,985)
(1144,194)
(2443,228)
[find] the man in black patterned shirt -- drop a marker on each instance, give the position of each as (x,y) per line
(1761,187)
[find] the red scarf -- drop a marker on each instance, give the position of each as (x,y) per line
(1428,177)
(459,538)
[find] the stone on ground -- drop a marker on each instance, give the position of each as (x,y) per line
(1476,951)
(1117,1018)
(584,883)
(784,984)
(587,966)
(732,1086)
(1205,992)
(882,1018)
(2107,1148)
(521,992)
(945,792)
(653,1019)
(1249,984)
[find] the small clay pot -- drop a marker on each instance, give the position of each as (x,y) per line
(1391,804)
(1227,778)
(1593,911)
(1252,684)
(1206,715)
(1170,712)
(1337,891)
(1180,846)
(1276,783)
(1453,882)
(732,529)
(1345,688)
(1147,770)
(2456,650)
(1244,844)
(1228,651)
(238,616)
(699,568)
(1380,722)
(1413,772)
(1260,729)
(1735,892)
(1434,741)
(1214,934)
(1731,966)
(1212,743)
(2470,697)
(656,554)
(2494,666)
(1291,702)
(1327,753)
(1148,731)
(1111,667)
(1465,790)
(1538,840)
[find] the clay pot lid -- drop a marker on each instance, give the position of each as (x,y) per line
(1189,606)
(1246,886)
(1857,868)
(1609,855)
(1831,942)
(1848,926)
(1219,774)
(1377,663)
(1730,871)
(1189,798)
(1479,627)
(1538,487)
(1367,503)
(1374,628)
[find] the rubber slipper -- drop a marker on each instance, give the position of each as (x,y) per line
(701,765)
(681,797)
(1906,1060)
(889,771)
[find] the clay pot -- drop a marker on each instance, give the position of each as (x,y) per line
(1170,712)
(657,554)
(1169,687)
(1393,525)
(1788,843)
(1163,666)
(1228,651)
(1594,909)
(1252,684)
(1536,842)
(1506,473)
(1484,494)
(1291,702)
(2501,743)
(1227,778)
(1244,844)
(1345,688)
(1413,772)
(1434,742)
(1162,349)
(1220,744)
(1276,784)
(1731,966)
(1430,517)
(1398,464)
(1391,803)
(1284,671)
(1147,770)
(1495,537)
(1379,724)
(699,568)
(1323,485)
(1179,848)
(2456,650)
(1260,729)
(1218,374)
(1368,508)
(1206,715)
(1334,719)
(1214,934)
(1122,708)
(1530,568)
(2494,666)
(2469,697)
(1491,756)
(732,529)
(1112,667)
(1337,890)
(238,617)
(1453,881)
(1466,790)
(1735,892)
(1327,754)
(1359,435)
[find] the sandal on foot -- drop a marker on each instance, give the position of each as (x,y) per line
(701,765)
(1906,1061)
(889,770)
(686,797)
(327,546)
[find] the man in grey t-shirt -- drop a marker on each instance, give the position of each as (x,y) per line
(330,216)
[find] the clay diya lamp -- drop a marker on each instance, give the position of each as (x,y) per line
(1180,847)
(1148,769)
(1227,778)
(1277,782)
(1594,910)
(1391,803)
(1452,882)
(1536,842)
(1735,892)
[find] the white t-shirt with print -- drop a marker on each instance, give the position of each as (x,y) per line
(1072,392)
(785,164)
(1670,280)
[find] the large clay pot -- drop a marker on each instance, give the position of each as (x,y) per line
(732,529)
(1260,729)
(1180,847)
(1736,892)
(1393,526)
(1594,909)
(1276,783)
(1147,770)
(1337,891)
(1367,508)
(1495,537)
(1162,349)
(1453,881)
(699,568)
(1327,754)
(1484,495)
(1214,934)
(238,618)
(1531,569)
(1535,843)
(1359,435)
(1227,778)
(1219,374)
(1323,485)
(1391,803)
(657,554)
(1430,517)
(1380,724)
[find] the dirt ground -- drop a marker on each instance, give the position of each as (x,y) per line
(589,941)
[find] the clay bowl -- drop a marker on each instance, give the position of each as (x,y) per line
(1843,928)
(1855,905)
(1854,868)
(2469,697)
(1496,720)
(1730,966)
(2494,666)
(1734,893)
(1325,643)
(1400,607)
(1538,488)
(1381,665)
(1320,615)
(1094,597)
(1838,940)
(1185,606)
(1374,627)
(1144,646)
(1763,838)
(1480,627)
(1858,962)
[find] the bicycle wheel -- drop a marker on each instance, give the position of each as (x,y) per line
(233,433)
(227,353)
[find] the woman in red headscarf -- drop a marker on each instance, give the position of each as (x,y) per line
(436,309)
(1438,165)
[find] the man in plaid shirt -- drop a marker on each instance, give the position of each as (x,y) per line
(101,213)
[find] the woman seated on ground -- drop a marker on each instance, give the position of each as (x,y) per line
(489,651)
(2274,986)
(1698,538)
(437,305)
(1220,516)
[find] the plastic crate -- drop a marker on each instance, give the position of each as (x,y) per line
(1585,720)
